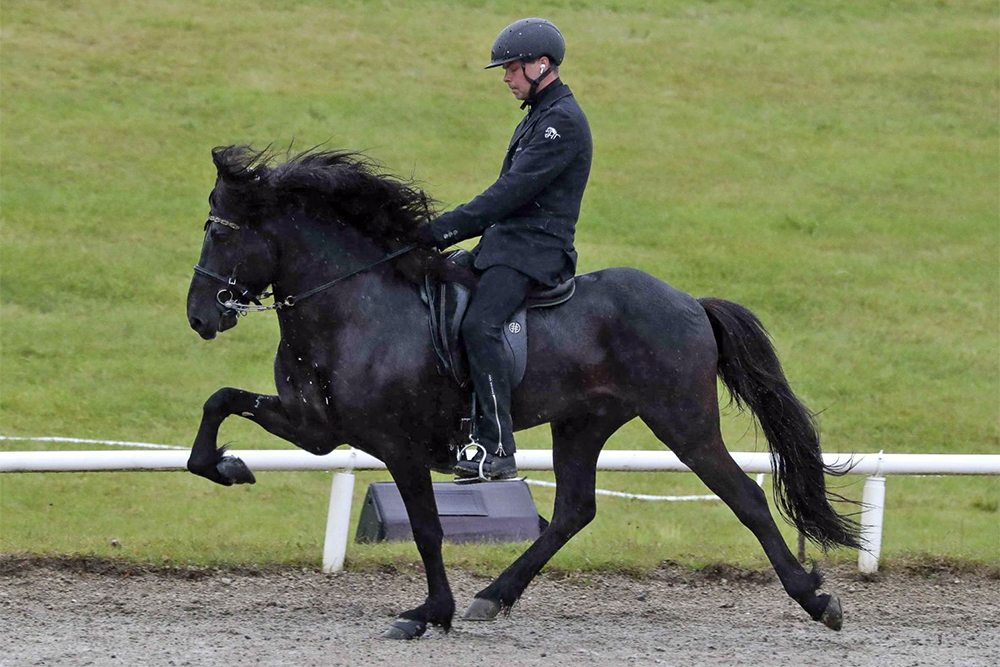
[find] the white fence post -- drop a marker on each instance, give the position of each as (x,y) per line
(338,519)
(873,509)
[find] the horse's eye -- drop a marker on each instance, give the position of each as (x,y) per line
(220,233)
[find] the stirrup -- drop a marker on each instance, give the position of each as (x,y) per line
(464,476)
(461,453)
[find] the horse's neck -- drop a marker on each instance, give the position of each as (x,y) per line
(364,301)
(313,253)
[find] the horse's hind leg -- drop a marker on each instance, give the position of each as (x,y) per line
(576,444)
(692,431)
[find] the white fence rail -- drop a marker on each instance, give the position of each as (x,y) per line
(875,466)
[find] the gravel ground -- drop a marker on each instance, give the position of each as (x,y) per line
(92,612)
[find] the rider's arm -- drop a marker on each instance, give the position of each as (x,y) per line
(551,146)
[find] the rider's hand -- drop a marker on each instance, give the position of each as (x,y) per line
(424,236)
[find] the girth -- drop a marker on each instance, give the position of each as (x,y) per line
(448,301)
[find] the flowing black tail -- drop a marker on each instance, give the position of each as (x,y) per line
(749,367)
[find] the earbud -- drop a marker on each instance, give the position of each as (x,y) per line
(541,68)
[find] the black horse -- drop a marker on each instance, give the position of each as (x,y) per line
(355,365)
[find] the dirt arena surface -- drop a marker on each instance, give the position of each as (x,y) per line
(92,612)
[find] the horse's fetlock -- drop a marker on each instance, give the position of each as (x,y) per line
(507,605)
(200,465)
(506,596)
(442,613)
(801,592)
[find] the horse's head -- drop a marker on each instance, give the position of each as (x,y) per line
(237,260)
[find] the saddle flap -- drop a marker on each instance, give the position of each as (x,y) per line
(448,301)
(515,334)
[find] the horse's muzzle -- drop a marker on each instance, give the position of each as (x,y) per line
(209,330)
(202,328)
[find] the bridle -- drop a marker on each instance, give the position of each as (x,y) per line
(228,304)
(231,306)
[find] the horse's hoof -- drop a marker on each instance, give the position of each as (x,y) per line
(482,609)
(405,628)
(235,471)
(833,615)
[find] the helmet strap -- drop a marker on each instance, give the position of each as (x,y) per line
(534,84)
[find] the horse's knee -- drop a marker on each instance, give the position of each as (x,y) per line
(219,401)
(428,534)
(571,521)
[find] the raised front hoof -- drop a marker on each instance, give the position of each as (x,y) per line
(482,609)
(233,471)
(833,615)
(405,628)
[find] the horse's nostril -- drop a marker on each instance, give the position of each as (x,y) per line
(196,323)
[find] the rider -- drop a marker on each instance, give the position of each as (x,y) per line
(527,220)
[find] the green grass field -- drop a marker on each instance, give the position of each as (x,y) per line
(832,165)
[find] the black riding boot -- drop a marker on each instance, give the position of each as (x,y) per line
(501,290)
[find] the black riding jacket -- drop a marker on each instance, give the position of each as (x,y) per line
(527,218)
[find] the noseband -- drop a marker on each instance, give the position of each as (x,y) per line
(230,306)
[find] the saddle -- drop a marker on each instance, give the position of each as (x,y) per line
(448,301)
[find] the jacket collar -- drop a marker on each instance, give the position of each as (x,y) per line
(548,95)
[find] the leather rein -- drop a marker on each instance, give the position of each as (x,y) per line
(230,305)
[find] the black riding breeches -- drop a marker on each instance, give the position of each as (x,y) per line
(501,290)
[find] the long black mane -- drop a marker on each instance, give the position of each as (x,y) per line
(330,184)
(333,185)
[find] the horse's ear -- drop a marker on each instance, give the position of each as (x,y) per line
(227,161)
(217,156)
(240,163)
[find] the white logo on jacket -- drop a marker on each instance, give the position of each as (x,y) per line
(550,133)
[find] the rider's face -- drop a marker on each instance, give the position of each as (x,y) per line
(514,76)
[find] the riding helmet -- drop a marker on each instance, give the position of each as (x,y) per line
(529,40)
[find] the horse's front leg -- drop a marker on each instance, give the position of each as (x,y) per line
(211,462)
(414,483)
